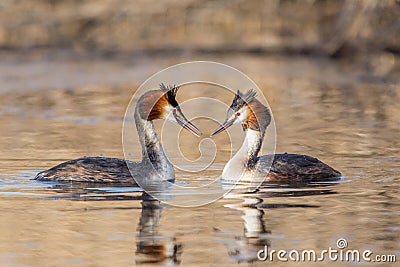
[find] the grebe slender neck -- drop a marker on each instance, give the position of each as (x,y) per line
(250,148)
(245,158)
(152,150)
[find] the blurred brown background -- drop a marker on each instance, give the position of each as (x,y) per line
(314,26)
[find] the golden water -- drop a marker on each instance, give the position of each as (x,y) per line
(52,111)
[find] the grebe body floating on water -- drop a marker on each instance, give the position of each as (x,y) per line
(247,166)
(154,166)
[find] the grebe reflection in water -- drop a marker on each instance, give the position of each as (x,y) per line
(154,166)
(152,246)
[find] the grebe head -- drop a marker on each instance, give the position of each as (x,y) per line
(248,111)
(158,104)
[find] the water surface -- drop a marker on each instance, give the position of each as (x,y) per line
(321,108)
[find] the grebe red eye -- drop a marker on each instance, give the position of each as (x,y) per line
(238,114)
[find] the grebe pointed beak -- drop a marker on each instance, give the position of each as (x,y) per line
(224,126)
(185,123)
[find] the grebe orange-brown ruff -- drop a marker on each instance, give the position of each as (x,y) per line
(152,105)
(246,165)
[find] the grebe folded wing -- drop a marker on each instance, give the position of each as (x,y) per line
(90,170)
(295,167)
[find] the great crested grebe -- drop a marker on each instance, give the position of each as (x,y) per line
(246,165)
(155,165)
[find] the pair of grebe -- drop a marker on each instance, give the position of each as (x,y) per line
(155,165)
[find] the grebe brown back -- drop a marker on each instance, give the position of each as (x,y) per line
(154,166)
(246,165)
